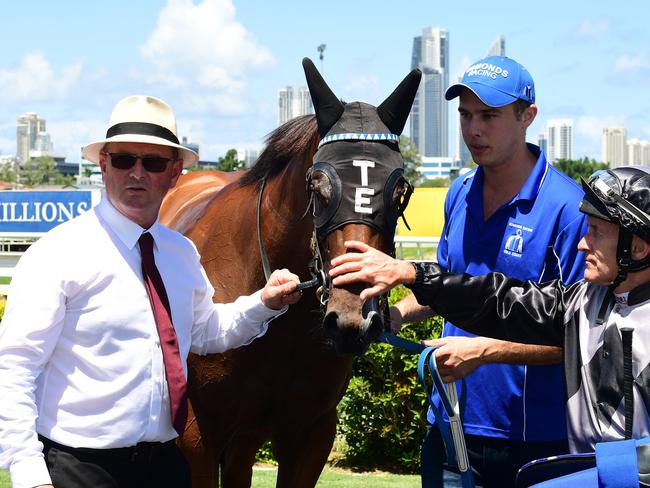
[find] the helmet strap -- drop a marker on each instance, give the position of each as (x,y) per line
(623,253)
(623,256)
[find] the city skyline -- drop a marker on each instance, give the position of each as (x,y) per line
(292,102)
(220,64)
(429,118)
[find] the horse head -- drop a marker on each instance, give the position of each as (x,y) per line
(358,192)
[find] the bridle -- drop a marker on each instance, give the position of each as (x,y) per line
(317,275)
(332,215)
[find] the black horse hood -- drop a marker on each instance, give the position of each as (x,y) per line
(361,118)
(359,154)
(335,117)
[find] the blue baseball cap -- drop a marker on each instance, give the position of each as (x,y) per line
(497,81)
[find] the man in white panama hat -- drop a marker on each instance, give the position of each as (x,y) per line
(101,315)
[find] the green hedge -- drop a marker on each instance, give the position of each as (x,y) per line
(382,417)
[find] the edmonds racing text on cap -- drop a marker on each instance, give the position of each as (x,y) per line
(497,81)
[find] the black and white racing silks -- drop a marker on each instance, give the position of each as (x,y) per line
(551,313)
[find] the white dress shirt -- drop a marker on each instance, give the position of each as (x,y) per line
(80,357)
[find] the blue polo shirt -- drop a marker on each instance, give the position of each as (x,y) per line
(532,237)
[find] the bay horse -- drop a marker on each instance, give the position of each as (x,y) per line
(285,385)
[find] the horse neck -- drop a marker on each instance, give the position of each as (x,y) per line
(286,221)
(288,195)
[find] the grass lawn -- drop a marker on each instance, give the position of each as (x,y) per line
(331,478)
(338,478)
(4,479)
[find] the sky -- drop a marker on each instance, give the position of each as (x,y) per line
(220,63)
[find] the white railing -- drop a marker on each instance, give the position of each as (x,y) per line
(8,261)
(424,245)
(11,248)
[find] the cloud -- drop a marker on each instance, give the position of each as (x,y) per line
(361,87)
(589,132)
(592,127)
(7,146)
(202,50)
(70,136)
(34,79)
(465,63)
(627,64)
(646,131)
(590,30)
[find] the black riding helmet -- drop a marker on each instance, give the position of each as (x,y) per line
(621,196)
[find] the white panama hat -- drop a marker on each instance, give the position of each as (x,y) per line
(140,118)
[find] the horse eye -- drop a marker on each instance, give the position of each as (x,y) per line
(322,186)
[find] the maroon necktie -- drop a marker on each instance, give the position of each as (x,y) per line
(176,382)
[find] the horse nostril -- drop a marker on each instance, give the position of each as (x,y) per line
(376,326)
(376,322)
(330,324)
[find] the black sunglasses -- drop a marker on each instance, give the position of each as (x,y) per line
(153,164)
(610,190)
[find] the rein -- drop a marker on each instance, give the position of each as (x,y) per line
(316,279)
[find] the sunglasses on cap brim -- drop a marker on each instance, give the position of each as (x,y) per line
(153,164)
(609,189)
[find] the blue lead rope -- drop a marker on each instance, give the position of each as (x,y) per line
(396,341)
(452,432)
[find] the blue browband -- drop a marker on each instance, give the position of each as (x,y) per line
(358,137)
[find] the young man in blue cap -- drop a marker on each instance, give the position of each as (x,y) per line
(518,215)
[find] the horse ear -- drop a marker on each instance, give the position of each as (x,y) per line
(327,106)
(395,109)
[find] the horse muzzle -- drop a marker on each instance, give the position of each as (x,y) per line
(352,325)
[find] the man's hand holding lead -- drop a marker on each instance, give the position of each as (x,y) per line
(280,289)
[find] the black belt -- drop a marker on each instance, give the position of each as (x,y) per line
(142,451)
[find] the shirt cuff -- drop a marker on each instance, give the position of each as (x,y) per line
(29,473)
(260,312)
(263,315)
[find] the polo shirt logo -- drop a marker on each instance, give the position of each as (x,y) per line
(515,242)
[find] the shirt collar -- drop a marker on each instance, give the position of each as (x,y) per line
(528,192)
(621,298)
(536,177)
(639,294)
(126,230)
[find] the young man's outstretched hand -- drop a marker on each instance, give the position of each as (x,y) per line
(363,263)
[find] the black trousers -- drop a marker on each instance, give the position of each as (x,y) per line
(149,464)
(494,461)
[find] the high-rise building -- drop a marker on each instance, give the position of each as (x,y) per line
(432,168)
(614,146)
(559,139)
(542,142)
(43,143)
(498,47)
(638,152)
(192,146)
(31,135)
(463,156)
(429,120)
(292,102)
(247,155)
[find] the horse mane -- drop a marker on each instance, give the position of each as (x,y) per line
(294,140)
